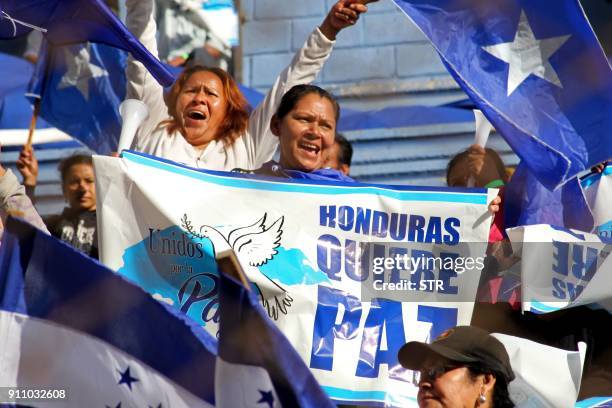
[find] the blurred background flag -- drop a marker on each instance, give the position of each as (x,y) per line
(257,366)
(537,72)
(75,325)
(77,21)
(80,88)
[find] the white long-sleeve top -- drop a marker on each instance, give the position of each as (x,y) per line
(250,150)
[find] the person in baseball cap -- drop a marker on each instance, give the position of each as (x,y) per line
(464,367)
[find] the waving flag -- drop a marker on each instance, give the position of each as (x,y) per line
(529,202)
(536,71)
(257,366)
(70,325)
(80,88)
(77,21)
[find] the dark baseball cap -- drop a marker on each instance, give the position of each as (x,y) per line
(463,344)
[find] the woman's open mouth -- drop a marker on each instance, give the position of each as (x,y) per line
(194,117)
(311,149)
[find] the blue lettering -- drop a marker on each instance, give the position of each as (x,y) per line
(558,288)
(380,224)
(560,257)
(446,274)
(423,270)
(346,217)
(327,216)
(584,269)
(453,235)
(415,228)
(397,230)
(329,256)
(384,315)
(362,222)
(326,331)
(434,230)
(395,272)
(350,252)
(441,318)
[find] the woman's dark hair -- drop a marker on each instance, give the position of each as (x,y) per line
(501,395)
(346,150)
(65,165)
(499,164)
(293,96)
(237,116)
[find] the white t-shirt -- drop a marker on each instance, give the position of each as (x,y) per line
(250,150)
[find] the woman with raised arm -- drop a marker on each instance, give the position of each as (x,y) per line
(203,120)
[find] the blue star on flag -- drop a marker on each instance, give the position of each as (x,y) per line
(126,378)
(266,398)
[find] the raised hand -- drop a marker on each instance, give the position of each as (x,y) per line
(344,13)
(28,166)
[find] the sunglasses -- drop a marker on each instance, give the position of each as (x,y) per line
(431,373)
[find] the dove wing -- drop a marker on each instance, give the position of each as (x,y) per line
(257,227)
(258,248)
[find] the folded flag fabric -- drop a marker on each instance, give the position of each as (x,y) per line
(529,202)
(257,366)
(71,325)
(77,21)
(537,72)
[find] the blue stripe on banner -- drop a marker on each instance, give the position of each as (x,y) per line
(350,396)
(596,402)
(236,180)
(539,308)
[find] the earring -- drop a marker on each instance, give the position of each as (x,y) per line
(482,399)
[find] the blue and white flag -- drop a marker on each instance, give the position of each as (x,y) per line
(80,88)
(71,326)
(257,366)
(537,72)
(313,249)
(528,202)
(77,21)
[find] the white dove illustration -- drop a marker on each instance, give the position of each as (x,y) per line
(254,246)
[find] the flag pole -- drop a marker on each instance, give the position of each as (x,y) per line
(228,264)
(44,52)
(33,122)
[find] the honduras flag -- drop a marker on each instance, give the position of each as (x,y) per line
(529,202)
(80,88)
(70,325)
(536,70)
(77,21)
(257,366)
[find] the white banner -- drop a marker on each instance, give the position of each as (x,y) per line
(301,242)
(561,268)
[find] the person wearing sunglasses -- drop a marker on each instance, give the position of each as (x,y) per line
(464,367)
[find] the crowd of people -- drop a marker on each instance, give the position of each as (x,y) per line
(204,121)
